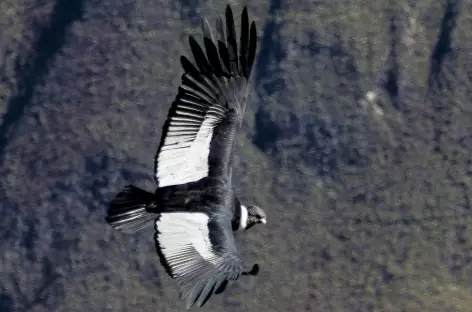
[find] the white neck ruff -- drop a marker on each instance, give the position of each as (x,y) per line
(243,218)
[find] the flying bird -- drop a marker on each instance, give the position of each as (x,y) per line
(194,209)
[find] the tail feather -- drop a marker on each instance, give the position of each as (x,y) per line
(127,211)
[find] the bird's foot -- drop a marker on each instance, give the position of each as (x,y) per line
(254,271)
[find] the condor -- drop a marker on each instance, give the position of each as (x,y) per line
(194,208)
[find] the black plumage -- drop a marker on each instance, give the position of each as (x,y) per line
(194,208)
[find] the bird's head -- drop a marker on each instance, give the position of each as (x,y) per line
(255,215)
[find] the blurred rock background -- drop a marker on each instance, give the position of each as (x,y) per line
(357,142)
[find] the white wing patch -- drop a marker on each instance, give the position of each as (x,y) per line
(181,235)
(183,239)
(183,157)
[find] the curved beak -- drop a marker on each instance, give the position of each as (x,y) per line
(264,221)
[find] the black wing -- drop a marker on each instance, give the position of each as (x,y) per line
(199,133)
(198,252)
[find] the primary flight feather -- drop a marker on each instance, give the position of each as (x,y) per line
(194,209)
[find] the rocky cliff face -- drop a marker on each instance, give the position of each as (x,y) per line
(357,143)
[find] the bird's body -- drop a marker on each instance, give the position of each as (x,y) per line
(194,208)
(205,195)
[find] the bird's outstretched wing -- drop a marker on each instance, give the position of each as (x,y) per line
(199,133)
(200,253)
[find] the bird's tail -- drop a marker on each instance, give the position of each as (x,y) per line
(128,210)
